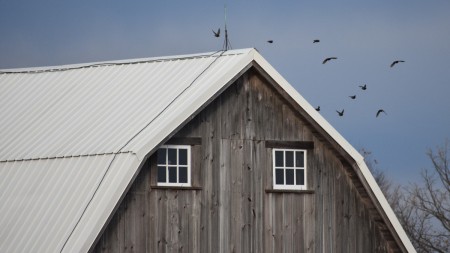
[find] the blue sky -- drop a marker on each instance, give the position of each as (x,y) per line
(365,36)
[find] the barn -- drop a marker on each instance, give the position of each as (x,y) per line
(212,152)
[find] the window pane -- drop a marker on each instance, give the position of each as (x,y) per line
(162,156)
(300,176)
(279,176)
(300,159)
(172,174)
(183,175)
(289,176)
(279,159)
(172,156)
(289,158)
(182,159)
(161,174)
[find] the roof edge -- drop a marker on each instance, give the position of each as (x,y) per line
(65,67)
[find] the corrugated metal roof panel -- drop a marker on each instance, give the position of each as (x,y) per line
(42,200)
(120,174)
(206,86)
(45,114)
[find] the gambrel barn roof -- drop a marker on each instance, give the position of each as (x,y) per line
(72,139)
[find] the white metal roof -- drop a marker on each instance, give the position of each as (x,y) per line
(72,138)
(94,109)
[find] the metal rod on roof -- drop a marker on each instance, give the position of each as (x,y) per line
(227,44)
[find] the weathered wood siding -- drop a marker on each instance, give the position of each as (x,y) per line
(232,212)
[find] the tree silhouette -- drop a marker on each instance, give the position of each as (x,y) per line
(423,208)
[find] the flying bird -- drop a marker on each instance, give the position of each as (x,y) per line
(395,62)
(216,34)
(270,41)
(318,108)
(363,87)
(341,113)
(329,58)
(316,41)
(352,97)
(380,111)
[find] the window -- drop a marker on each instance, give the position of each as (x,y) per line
(289,169)
(174,165)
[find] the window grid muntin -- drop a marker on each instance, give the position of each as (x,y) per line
(177,164)
(284,167)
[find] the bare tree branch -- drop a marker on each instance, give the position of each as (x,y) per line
(423,209)
(429,223)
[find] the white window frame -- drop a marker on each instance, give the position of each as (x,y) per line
(189,170)
(284,167)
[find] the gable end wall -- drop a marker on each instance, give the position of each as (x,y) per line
(232,208)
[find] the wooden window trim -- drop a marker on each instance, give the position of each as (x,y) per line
(191,141)
(289,144)
(182,188)
(290,191)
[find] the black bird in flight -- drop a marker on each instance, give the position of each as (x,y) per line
(352,97)
(329,58)
(341,113)
(363,87)
(316,41)
(216,34)
(318,108)
(380,111)
(395,62)
(270,41)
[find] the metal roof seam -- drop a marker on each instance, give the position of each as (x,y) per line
(107,64)
(172,101)
(66,156)
(90,200)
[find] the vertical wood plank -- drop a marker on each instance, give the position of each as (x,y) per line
(310,224)
(152,224)
(269,230)
(236,200)
(299,218)
(196,165)
(225,218)
(250,197)
(207,194)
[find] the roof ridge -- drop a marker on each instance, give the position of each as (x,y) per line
(65,156)
(60,68)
